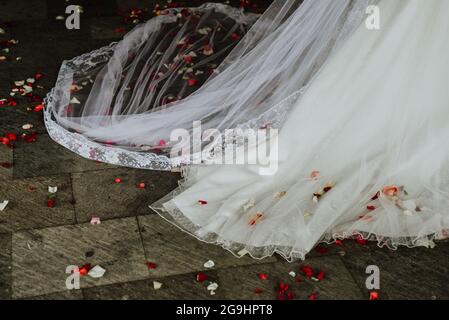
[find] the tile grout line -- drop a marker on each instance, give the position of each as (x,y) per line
(352,277)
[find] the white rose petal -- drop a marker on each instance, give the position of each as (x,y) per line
(242,252)
(213,286)
(157,285)
(3,205)
(96,272)
(292,274)
(52,189)
(75,101)
(209,264)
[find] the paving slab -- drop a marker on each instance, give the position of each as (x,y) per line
(5,266)
(40,257)
(245,283)
(44,157)
(176,252)
(97,193)
(28,207)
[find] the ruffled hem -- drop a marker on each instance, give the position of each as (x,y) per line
(169,211)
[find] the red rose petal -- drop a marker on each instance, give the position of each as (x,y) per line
(201,277)
(371,208)
(6,165)
(117,180)
(338,242)
(141,185)
(312,296)
(320,275)
(374,295)
(151,265)
(307,270)
(263,276)
(38,108)
(51,203)
(202,202)
(258,291)
(321,250)
(11,136)
(361,241)
(84,270)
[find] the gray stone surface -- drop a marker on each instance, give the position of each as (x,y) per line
(40,257)
(97,193)
(418,273)
(37,243)
(5,266)
(242,282)
(22,10)
(46,158)
(173,288)
(176,252)
(27,207)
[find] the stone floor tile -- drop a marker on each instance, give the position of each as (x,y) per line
(417,273)
(45,157)
(177,252)
(5,266)
(40,257)
(97,194)
(27,207)
(178,287)
(23,10)
(241,282)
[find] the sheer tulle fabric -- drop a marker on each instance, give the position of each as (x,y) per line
(120,104)
(373,123)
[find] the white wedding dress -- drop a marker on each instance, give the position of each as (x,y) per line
(364,152)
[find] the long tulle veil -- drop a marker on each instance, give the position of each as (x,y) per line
(119,104)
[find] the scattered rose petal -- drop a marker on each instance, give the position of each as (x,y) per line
(256,218)
(151,265)
(7,165)
(360,240)
(262,276)
(292,274)
(313,296)
(27,126)
(321,250)
(202,202)
(141,185)
(315,174)
(117,180)
(52,189)
(242,252)
(249,204)
(201,277)
(209,264)
(373,295)
(51,203)
(281,194)
(3,205)
(96,272)
(307,271)
(84,270)
(212,287)
(258,291)
(157,285)
(390,191)
(74,100)
(95,221)
(320,276)
(38,108)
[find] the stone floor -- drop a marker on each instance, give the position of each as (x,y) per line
(37,243)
